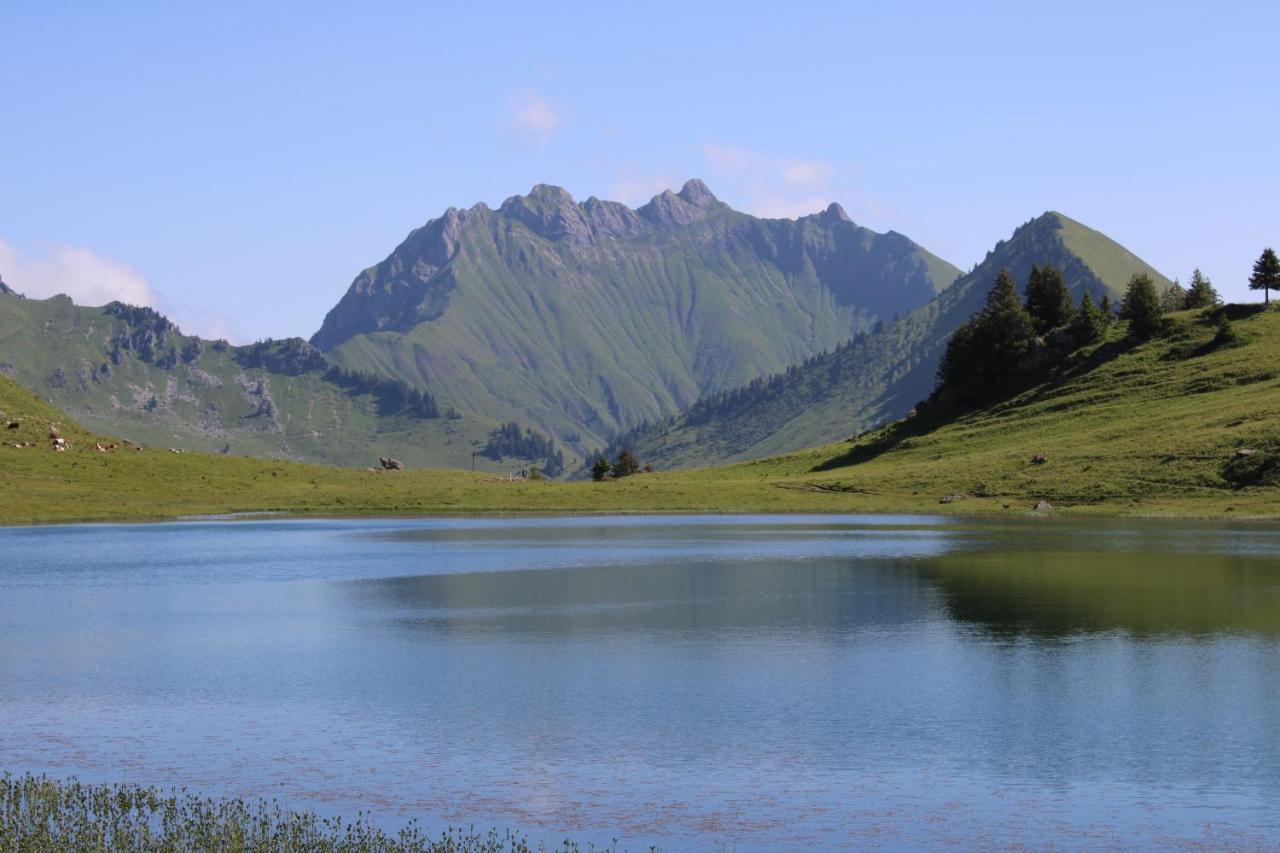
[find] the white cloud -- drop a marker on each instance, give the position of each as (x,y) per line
(529,114)
(91,279)
(771,186)
(88,278)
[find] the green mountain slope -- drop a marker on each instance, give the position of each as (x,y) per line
(879,376)
(1124,429)
(130,372)
(588,318)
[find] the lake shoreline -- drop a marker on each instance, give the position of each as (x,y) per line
(1074,513)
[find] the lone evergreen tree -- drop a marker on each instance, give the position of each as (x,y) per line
(626,465)
(1048,301)
(1088,325)
(1201,293)
(600,469)
(983,355)
(1108,310)
(1174,298)
(1141,307)
(1266,274)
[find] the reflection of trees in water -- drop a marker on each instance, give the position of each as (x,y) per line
(812,595)
(1065,593)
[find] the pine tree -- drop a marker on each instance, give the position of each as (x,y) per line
(983,355)
(1174,298)
(626,465)
(1201,293)
(1266,274)
(1108,310)
(1005,324)
(600,469)
(1141,307)
(1088,325)
(1048,300)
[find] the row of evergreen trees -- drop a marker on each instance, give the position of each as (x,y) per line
(624,466)
(510,440)
(991,354)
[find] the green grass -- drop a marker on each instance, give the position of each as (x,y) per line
(41,814)
(1128,430)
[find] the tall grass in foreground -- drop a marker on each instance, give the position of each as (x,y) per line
(38,814)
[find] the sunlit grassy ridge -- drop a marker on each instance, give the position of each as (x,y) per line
(1143,429)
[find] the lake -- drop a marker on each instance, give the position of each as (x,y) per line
(747,682)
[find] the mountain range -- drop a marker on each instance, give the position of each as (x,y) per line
(589,318)
(877,377)
(683,329)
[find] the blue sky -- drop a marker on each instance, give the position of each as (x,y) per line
(237,165)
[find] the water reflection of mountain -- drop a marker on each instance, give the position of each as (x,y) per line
(1147,594)
(839,596)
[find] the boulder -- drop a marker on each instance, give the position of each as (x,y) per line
(14,424)
(391,464)
(1245,452)
(1039,459)
(954,496)
(1043,506)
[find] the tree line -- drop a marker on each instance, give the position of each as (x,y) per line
(510,440)
(1009,339)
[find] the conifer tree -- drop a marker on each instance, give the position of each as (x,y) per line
(626,465)
(983,355)
(1108,310)
(1048,301)
(1266,274)
(1201,294)
(1141,307)
(1088,325)
(600,469)
(1174,298)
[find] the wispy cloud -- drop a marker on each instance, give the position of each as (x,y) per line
(88,278)
(531,115)
(772,186)
(635,188)
(92,279)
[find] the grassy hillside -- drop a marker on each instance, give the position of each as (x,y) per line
(129,372)
(588,318)
(1151,429)
(880,376)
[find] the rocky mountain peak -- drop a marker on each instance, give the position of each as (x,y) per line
(834,213)
(550,212)
(696,193)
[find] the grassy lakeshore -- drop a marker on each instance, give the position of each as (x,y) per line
(1141,430)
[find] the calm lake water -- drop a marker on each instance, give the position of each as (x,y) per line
(752,682)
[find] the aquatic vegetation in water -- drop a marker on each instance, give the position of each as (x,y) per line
(39,814)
